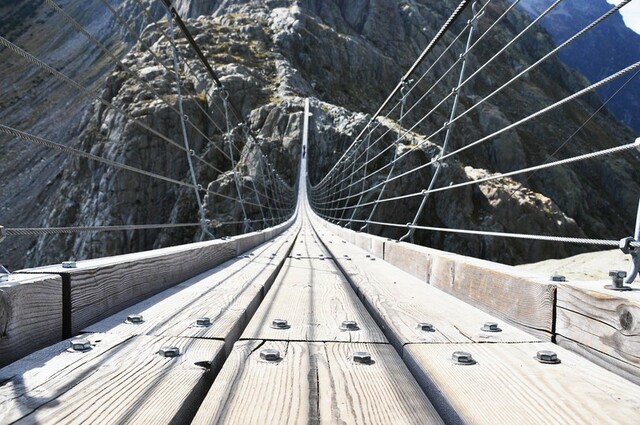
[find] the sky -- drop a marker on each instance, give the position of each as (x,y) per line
(630,14)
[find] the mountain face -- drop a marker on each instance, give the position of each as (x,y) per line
(616,45)
(347,57)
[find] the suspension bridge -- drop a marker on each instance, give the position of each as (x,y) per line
(316,306)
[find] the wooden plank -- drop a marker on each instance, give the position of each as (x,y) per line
(228,295)
(509,294)
(314,383)
(399,302)
(100,288)
(315,299)
(507,385)
(30,315)
(413,259)
(605,322)
(122,379)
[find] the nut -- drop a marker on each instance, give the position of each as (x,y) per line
(69,265)
(349,325)
(426,327)
(81,344)
(362,357)
(203,321)
(169,351)
(462,358)
(547,357)
(558,278)
(280,324)
(270,354)
(490,327)
(135,318)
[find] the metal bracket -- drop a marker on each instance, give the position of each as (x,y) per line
(627,248)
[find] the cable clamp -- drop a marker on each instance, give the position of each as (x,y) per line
(627,248)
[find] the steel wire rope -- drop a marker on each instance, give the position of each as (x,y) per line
(540,112)
(511,42)
(424,74)
(445,27)
(79,153)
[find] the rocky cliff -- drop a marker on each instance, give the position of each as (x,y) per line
(346,56)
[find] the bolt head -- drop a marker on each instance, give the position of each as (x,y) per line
(280,324)
(69,265)
(203,321)
(270,354)
(490,327)
(362,357)
(169,351)
(547,357)
(558,278)
(135,318)
(80,344)
(618,274)
(426,327)
(349,325)
(462,358)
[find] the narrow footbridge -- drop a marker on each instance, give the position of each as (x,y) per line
(308,322)
(308,316)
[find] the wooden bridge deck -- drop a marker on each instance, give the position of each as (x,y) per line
(315,280)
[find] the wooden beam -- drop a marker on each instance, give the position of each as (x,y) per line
(604,323)
(30,315)
(121,379)
(102,287)
(314,383)
(508,385)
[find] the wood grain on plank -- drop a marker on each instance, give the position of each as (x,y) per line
(314,383)
(399,302)
(30,315)
(120,380)
(315,303)
(507,385)
(606,321)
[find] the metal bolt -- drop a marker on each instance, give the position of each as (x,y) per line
(462,358)
(617,278)
(81,345)
(490,327)
(280,324)
(169,351)
(426,327)
(349,325)
(69,265)
(270,354)
(362,357)
(558,278)
(135,318)
(547,357)
(203,321)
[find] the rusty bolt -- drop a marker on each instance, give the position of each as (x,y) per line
(462,358)
(490,327)
(270,354)
(426,327)
(135,318)
(203,321)
(169,351)
(349,325)
(547,357)
(362,357)
(280,324)
(81,344)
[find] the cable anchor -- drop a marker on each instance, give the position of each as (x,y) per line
(627,247)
